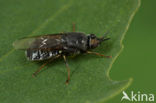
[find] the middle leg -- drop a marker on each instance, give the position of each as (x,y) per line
(68,69)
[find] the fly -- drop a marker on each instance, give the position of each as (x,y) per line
(52,46)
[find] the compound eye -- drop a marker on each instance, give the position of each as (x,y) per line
(92,36)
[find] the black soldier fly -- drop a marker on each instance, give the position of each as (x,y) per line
(52,46)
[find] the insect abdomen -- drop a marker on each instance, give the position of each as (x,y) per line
(34,55)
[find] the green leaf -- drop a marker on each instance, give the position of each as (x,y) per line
(90,81)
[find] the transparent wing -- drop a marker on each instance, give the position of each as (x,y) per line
(24,43)
(39,42)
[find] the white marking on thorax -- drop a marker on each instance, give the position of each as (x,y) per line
(60,51)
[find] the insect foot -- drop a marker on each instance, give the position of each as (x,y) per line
(33,75)
(67,82)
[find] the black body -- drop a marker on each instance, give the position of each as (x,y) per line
(49,46)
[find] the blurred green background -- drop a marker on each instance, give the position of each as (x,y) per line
(138,58)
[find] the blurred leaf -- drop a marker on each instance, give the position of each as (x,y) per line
(90,80)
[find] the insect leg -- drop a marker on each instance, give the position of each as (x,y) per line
(38,70)
(73,27)
(68,70)
(35,73)
(89,52)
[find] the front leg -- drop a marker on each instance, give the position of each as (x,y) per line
(89,52)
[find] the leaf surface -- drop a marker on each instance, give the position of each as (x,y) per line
(90,81)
